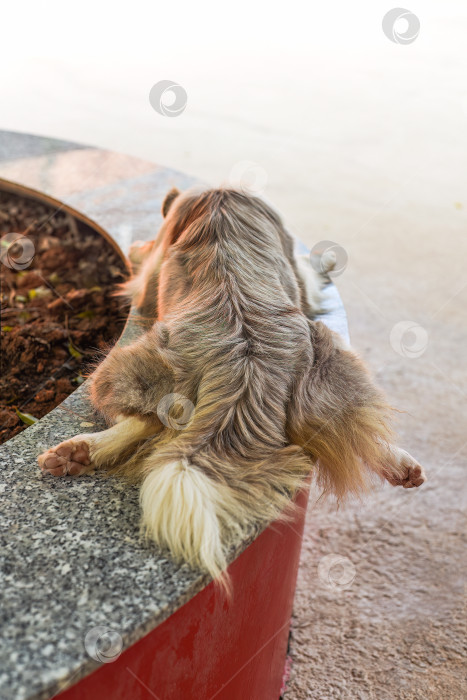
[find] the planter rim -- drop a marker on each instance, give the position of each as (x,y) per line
(31,193)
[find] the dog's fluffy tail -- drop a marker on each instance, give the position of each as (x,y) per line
(185,511)
(195,513)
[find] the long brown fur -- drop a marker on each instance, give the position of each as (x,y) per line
(273,391)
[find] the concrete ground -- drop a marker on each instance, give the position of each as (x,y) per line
(360,141)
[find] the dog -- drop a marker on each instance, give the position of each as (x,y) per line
(274,394)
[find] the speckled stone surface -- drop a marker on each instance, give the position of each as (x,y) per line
(71,557)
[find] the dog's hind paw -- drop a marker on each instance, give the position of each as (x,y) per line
(409,473)
(69,457)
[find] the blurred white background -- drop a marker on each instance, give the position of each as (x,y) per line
(312,92)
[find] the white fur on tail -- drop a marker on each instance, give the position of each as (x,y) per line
(187,512)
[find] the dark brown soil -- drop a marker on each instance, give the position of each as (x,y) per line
(58,312)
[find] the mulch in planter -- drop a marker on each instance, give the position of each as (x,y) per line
(58,312)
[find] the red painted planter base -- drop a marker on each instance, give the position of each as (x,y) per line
(210,648)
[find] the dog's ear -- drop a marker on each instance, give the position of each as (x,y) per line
(169,198)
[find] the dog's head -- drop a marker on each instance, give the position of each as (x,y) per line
(214,240)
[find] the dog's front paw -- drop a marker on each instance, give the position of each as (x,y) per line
(409,473)
(69,457)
